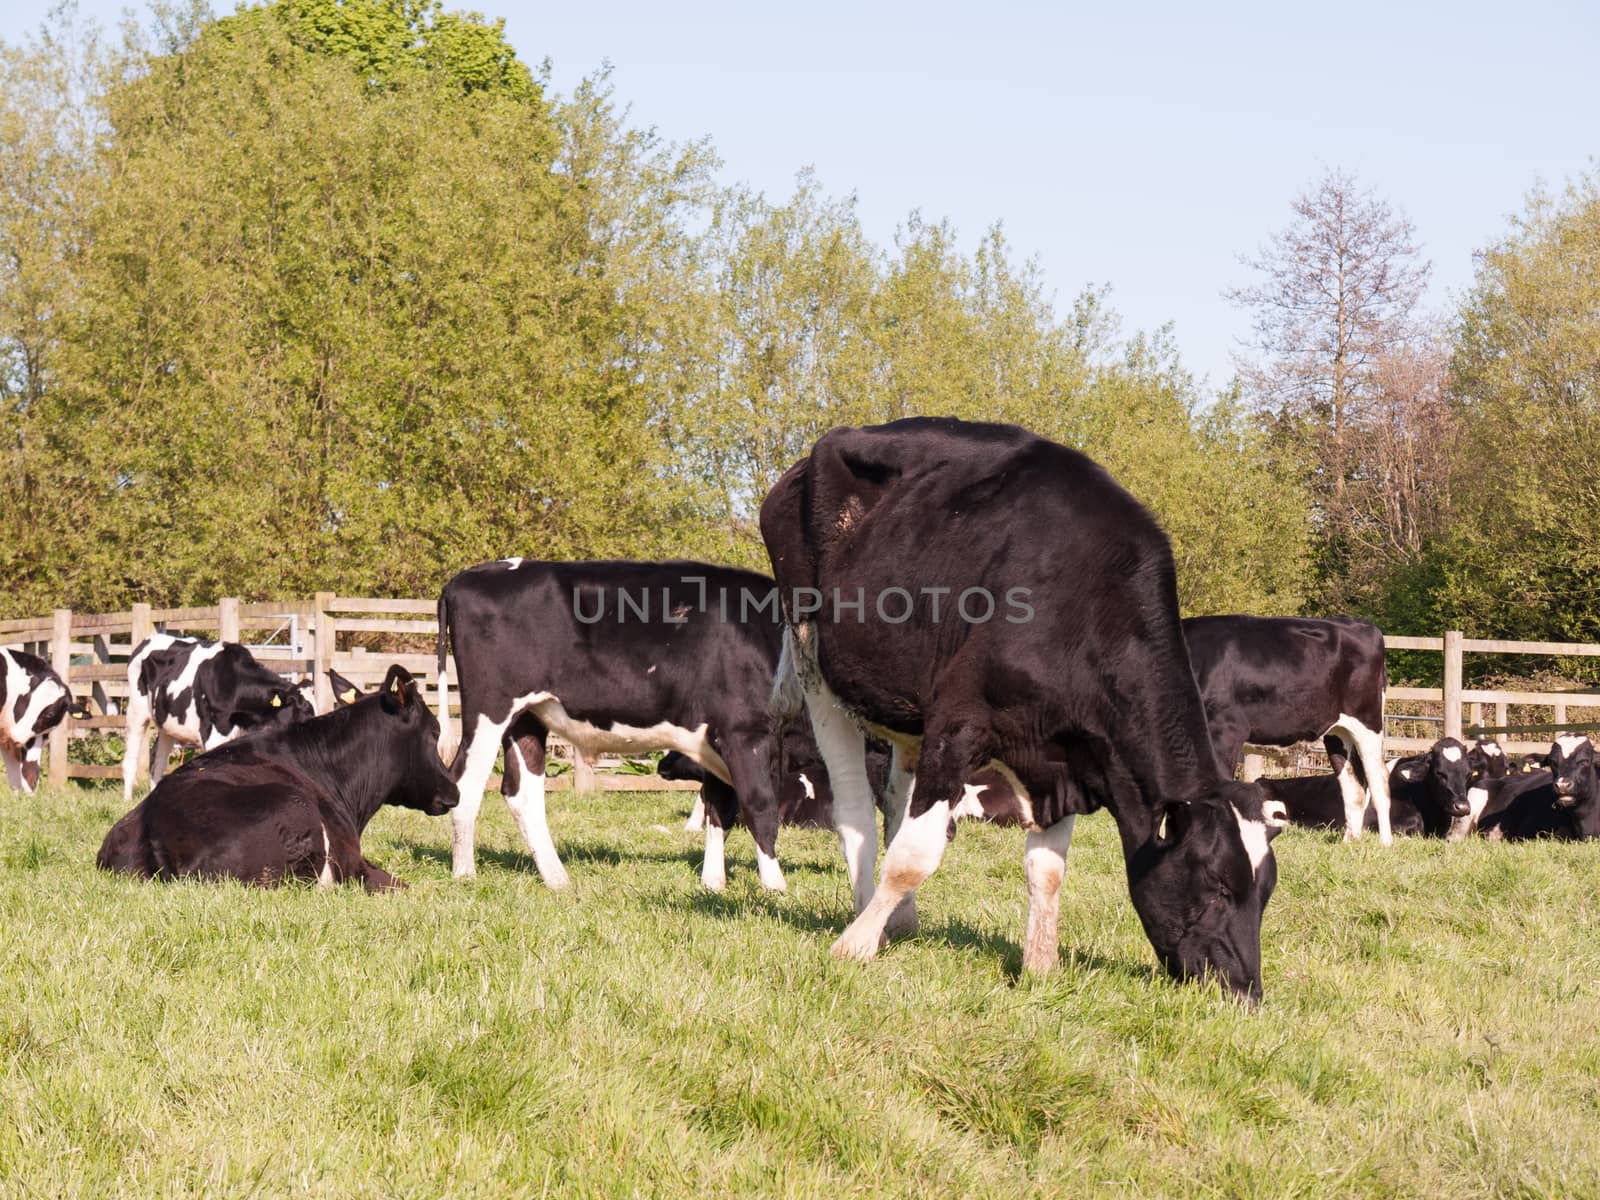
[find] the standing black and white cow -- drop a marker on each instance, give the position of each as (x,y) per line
(199,693)
(33,701)
(1275,681)
(614,657)
(292,802)
(987,600)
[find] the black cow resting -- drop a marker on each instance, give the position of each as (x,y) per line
(614,657)
(1317,802)
(1275,681)
(199,693)
(292,802)
(985,599)
(1562,802)
(33,701)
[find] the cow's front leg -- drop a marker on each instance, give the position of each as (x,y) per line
(1044,862)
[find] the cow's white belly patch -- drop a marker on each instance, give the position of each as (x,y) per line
(970,806)
(325,877)
(623,739)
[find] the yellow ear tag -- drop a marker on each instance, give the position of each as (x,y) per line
(350,696)
(277,700)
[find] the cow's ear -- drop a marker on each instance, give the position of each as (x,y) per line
(398,686)
(1172,821)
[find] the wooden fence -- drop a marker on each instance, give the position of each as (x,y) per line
(357,636)
(360,636)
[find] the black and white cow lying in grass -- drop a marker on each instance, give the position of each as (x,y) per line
(1317,802)
(33,701)
(1275,681)
(290,802)
(613,657)
(1018,613)
(1560,802)
(199,693)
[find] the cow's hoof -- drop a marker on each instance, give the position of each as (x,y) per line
(464,873)
(714,883)
(858,945)
(556,881)
(771,875)
(1040,961)
(1386,839)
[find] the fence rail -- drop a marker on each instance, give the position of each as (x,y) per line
(327,633)
(360,636)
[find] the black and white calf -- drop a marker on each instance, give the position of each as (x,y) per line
(1316,802)
(291,802)
(1444,785)
(987,600)
(614,657)
(199,693)
(1561,802)
(33,701)
(1275,681)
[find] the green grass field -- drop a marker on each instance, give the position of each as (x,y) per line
(1431,1025)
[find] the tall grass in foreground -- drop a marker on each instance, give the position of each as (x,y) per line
(1431,1025)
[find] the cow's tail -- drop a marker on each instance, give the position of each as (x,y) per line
(447,729)
(787,700)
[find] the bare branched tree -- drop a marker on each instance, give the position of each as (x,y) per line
(1335,357)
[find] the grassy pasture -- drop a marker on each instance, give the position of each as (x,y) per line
(1431,1027)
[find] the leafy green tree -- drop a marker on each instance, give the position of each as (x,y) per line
(1522,557)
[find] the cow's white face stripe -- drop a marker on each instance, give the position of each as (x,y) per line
(1492,749)
(1254,836)
(1571,742)
(325,878)
(1451,753)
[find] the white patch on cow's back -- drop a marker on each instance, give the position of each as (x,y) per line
(184,728)
(1254,836)
(623,739)
(325,877)
(1451,753)
(513,563)
(1571,742)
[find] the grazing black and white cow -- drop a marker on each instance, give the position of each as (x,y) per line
(987,600)
(199,693)
(1317,802)
(1561,802)
(292,801)
(33,701)
(614,657)
(1275,681)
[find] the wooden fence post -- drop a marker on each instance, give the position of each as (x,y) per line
(1500,720)
(322,646)
(61,664)
(1452,683)
(1561,712)
(142,628)
(228,619)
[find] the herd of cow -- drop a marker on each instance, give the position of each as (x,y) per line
(963,620)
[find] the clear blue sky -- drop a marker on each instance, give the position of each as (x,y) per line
(1144,146)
